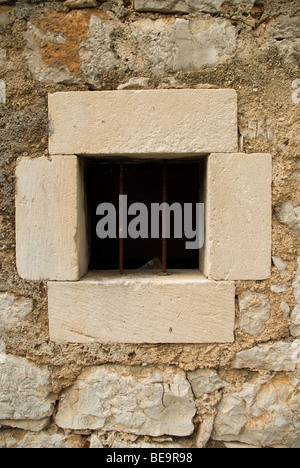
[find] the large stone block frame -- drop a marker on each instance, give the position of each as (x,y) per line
(51,234)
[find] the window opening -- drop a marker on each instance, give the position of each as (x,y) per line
(144,182)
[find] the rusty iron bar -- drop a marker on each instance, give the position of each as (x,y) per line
(164,223)
(121,227)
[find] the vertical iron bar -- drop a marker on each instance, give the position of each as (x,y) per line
(164,223)
(121,227)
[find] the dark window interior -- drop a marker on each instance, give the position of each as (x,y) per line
(143,182)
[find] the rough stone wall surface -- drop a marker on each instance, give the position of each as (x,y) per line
(245,393)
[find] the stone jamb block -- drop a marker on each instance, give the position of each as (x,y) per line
(50,219)
(238,217)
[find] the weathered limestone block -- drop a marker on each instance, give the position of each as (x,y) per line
(295,316)
(180,308)
(14,310)
(261,414)
(3,56)
(236,445)
(40,69)
(278,357)
(135,400)
(74,48)
(98,51)
(296,283)
(205,430)
(181,44)
(74,4)
(189,6)
(280,265)
(178,6)
(278,288)
(50,219)
(25,393)
(290,216)
(2,92)
(32,426)
(255,310)
(148,122)
(44,440)
(136,83)
(283,27)
(283,32)
(238,217)
(205,381)
(3,355)
(87,45)
(285,308)
(147,445)
(295,321)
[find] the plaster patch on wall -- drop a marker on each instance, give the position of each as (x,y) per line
(264,128)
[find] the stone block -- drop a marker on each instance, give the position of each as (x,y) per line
(255,311)
(50,219)
(238,217)
(290,216)
(179,44)
(145,123)
(106,308)
(189,6)
(178,6)
(14,310)
(134,400)
(74,4)
(26,397)
(44,440)
(276,357)
(205,381)
(295,315)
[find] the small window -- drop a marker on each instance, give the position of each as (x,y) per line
(150,182)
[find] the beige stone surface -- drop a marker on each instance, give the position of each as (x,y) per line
(238,217)
(180,44)
(14,310)
(262,413)
(106,308)
(278,357)
(295,316)
(32,426)
(136,400)
(50,219)
(26,396)
(52,439)
(147,122)
(73,4)
(175,6)
(255,311)
(204,381)
(189,6)
(204,431)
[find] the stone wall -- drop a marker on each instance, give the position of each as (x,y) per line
(93,395)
